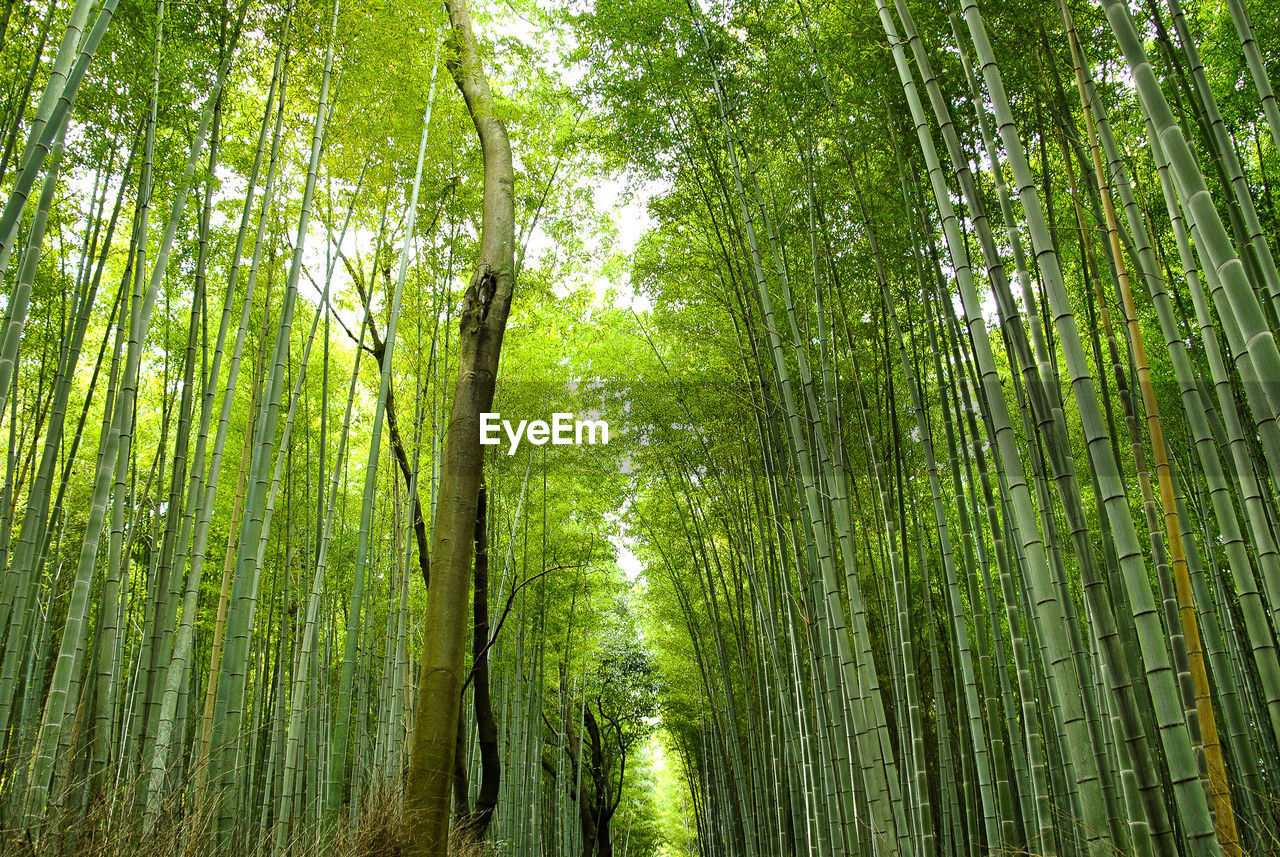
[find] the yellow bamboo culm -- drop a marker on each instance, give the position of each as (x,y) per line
(1219,791)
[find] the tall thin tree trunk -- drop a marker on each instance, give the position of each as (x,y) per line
(484,320)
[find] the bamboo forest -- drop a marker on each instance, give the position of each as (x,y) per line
(640,428)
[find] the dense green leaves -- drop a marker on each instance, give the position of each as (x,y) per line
(930,332)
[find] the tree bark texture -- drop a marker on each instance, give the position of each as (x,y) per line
(484,317)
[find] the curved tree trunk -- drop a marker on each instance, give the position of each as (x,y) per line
(484,319)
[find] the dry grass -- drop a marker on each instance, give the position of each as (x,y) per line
(70,832)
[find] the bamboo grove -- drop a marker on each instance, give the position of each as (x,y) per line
(231,333)
(939,515)
(975,548)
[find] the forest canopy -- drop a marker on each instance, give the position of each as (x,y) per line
(925,349)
